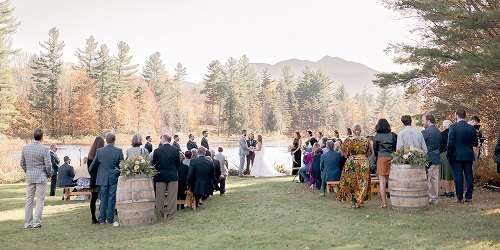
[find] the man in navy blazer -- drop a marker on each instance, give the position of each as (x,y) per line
(330,165)
(432,138)
(462,138)
(107,160)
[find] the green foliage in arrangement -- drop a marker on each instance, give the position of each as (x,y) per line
(412,157)
(137,166)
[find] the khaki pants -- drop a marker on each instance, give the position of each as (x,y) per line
(32,190)
(171,188)
(433,182)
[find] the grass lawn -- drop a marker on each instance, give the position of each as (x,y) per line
(261,214)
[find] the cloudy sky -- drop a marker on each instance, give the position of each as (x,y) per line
(194,32)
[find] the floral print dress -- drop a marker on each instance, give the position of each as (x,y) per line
(355,180)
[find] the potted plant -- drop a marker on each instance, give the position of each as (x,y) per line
(408,179)
(135,197)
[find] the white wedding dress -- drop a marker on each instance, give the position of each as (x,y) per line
(261,167)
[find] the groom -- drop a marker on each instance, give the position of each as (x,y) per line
(244,150)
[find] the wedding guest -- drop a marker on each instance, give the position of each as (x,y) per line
(446,171)
(243,152)
(55,168)
(372,158)
(81,171)
(497,154)
(384,144)
(409,137)
(182,183)
(337,135)
(204,139)
(94,189)
(136,149)
(251,143)
(224,170)
(331,165)
(106,163)
(476,122)
(432,138)
(199,176)
(191,143)
(194,153)
(315,171)
(217,170)
(296,153)
(355,181)
(349,132)
(66,174)
(36,163)
(176,144)
(310,140)
(166,161)
(319,136)
(304,171)
(462,138)
(149,145)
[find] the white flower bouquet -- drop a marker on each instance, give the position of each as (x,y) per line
(137,166)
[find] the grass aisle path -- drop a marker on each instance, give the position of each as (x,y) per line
(260,214)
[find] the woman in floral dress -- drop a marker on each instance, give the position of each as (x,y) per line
(355,180)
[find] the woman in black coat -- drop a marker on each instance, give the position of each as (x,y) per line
(200,176)
(94,189)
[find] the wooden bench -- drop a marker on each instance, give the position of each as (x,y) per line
(68,192)
(330,185)
(179,202)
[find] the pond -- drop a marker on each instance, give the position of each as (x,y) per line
(276,153)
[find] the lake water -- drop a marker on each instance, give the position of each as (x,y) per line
(276,153)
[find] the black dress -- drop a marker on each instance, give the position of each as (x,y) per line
(296,156)
(93,177)
(182,182)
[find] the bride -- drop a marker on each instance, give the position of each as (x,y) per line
(261,167)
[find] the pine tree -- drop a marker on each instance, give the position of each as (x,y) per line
(38,93)
(180,73)
(233,108)
(263,96)
(248,84)
(384,102)
(311,94)
(8,25)
(285,87)
(214,90)
(139,100)
(124,70)
(154,73)
(87,58)
(47,69)
(107,90)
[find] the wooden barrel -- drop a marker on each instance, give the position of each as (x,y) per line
(135,200)
(408,187)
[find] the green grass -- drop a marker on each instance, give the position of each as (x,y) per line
(260,214)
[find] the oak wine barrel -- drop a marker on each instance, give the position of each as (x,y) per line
(135,200)
(408,187)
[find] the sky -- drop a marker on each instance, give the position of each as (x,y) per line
(194,32)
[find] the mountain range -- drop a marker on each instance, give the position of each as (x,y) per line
(354,76)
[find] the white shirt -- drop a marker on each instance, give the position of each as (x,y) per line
(411,138)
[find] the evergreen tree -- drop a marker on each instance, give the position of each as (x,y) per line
(233,107)
(8,25)
(124,69)
(383,102)
(87,58)
(38,93)
(47,69)
(154,73)
(180,73)
(214,90)
(311,94)
(263,96)
(249,84)
(107,89)
(285,87)
(139,101)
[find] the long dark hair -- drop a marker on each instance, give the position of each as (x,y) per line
(383,126)
(297,134)
(98,143)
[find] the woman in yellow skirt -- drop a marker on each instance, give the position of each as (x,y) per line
(355,179)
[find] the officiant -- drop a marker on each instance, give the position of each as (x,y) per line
(251,143)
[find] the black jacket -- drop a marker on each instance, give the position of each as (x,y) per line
(166,161)
(55,163)
(176,145)
(191,144)
(384,144)
(444,141)
(200,176)
(182,184)
(204,143)
(462,138)
(149,147)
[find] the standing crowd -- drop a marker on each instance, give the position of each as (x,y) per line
(451,154)
(198,171)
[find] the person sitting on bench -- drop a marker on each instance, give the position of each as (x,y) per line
(331,165)
(66,174)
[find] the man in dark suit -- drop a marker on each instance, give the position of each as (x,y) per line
(432,138)
(167,162)
(66,174)
(148,145)
(200,176)
(330,165)
(176,144)
(251,143)
(204,140)
(191,143)
(462,138)
(106,161)
(55,168)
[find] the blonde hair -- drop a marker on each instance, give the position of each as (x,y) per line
(446,124)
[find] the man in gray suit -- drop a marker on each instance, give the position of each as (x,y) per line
(36,163)
(244,150)
(432,137)
(106,161)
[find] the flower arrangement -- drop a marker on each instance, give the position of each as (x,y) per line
(280,168)
(414,158)
(137,166)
